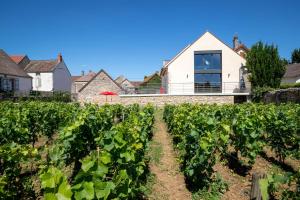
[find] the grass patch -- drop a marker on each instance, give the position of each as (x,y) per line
(155,152)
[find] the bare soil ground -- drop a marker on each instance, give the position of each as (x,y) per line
(239,185)
(168,181)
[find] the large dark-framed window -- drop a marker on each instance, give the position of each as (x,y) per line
(208,71)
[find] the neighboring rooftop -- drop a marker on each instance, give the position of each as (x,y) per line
(120,79)
(87,77)
(9,67)
(292,70)
(41,66)
(17,58)
(74,78)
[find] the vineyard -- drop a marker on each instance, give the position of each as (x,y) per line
(66,151)
(205,135)
(51,150)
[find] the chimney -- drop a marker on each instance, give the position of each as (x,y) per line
(235,41)
(82,73)
(165,62)
(59,57)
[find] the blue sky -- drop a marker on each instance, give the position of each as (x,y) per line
(133,37)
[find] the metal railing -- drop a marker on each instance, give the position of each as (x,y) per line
(190,88)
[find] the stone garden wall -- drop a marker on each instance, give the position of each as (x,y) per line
(160,100)
(283,96)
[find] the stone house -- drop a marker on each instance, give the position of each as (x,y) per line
(12,77)
(47,75)
(101,82)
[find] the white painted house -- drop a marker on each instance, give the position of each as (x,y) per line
(47,75)
(207,65)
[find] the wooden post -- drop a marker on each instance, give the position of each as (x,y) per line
(255,188)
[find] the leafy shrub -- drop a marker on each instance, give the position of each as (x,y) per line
(258,93)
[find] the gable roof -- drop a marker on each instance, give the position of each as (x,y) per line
(86,78)
(292,71)
(187,47)
(9,67)
(35,66)
(120,79)
(101,71)
(17,58)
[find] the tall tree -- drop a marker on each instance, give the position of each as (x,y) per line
(296,56)
(265,66)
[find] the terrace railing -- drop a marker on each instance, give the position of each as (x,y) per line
(190,88)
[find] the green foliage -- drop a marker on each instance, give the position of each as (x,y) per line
(248,129)
(112,155)
(217,187)
(296,56)
(55,185)
(265,66)
(290,85)
(203,132)
(259,92)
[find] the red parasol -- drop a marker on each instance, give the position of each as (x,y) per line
(110,93)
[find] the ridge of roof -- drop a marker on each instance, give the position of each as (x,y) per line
(102,70)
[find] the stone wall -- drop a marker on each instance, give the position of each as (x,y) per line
(283,96)
(161,100)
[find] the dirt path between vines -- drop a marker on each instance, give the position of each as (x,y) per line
(168,182)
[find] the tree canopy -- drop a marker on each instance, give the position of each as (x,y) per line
(265,66)
(296,56)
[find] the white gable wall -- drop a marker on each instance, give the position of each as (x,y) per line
(181,70)
(46,81)
(62,78)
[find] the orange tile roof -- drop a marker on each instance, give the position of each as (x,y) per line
(17,58)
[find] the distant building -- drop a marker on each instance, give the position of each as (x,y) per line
(292,74)
(47,75)
(100,82)
(79,81)
(127,85)
(151,84)
(12,77)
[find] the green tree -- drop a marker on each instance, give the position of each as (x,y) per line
(265,66)
(296,56)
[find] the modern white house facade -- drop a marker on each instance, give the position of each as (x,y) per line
(206,66)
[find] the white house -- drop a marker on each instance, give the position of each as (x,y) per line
(292,74)
(207,65)
(47,75)
(12,77)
